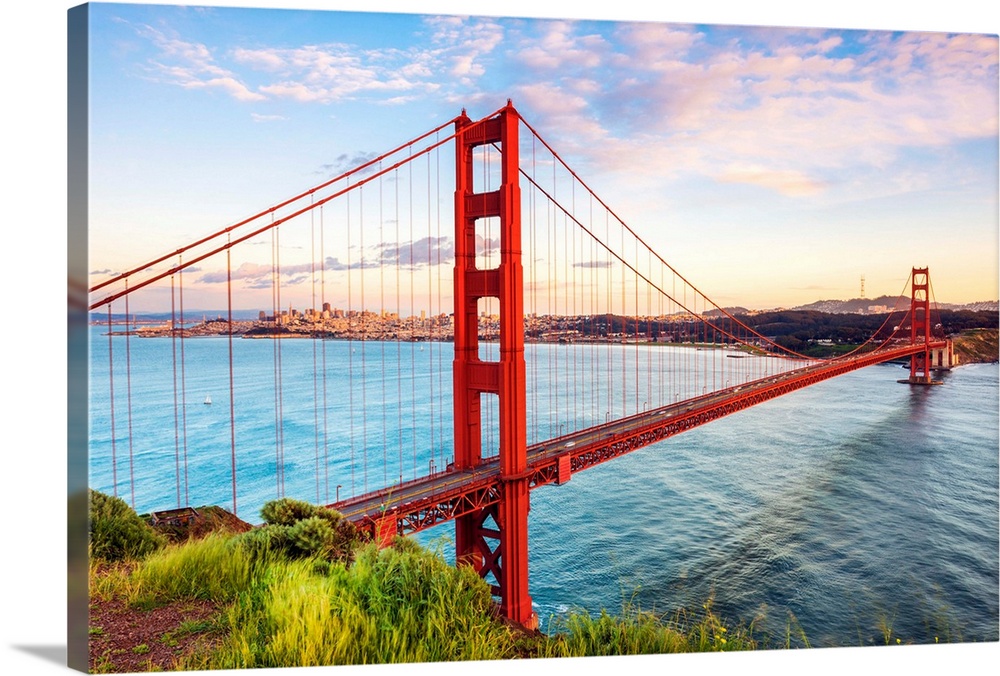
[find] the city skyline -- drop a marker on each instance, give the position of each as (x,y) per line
(817,155)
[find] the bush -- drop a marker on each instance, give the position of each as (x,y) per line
(287,512)
(313,537)
(116,531)
(300,529)
(260,542)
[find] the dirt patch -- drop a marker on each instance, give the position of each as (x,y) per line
(207,520)
(126,639)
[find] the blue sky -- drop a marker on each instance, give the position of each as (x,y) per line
(771,166)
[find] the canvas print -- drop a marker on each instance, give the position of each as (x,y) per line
(421,338)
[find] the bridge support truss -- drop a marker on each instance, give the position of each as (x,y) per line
(493,540)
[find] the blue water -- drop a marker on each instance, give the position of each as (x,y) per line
(834,513)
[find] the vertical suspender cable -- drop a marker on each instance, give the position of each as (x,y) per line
(660,342)
(232,389)
(413,327)
(322,292)
(351,314)
(399,346)
(430,323)
(382,323)
(556,352)
(624,383)
(436,346)
(313,322)
(610,318)
(128,393)
(533,285)
(364,340)
(637,325)
(281,378)
(111,384)
(649,332)
(275,340)
(572,343)
(180,296)
(173,346)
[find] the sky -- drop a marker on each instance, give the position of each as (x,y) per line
(770,166)
(34,142)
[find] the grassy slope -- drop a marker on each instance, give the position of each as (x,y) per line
(978,346)
(400,604)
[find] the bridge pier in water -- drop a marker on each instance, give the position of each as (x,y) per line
(494,540)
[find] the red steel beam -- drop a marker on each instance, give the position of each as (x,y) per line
(422,503)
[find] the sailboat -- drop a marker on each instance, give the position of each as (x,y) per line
(208,400)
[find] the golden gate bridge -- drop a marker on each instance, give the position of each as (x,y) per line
(512,250)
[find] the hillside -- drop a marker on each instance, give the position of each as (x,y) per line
(864,305)
(304,590)
(978,346)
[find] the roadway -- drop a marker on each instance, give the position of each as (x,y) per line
(437,496)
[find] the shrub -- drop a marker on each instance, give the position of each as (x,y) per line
(116,531)
(259,542)
(301,529)
(312,537)
(286,511)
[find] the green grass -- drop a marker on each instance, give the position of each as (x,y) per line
(636,632)
(214,568)
(302,592)
(387,606)
(397,605)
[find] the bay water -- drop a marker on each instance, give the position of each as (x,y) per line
(853,512)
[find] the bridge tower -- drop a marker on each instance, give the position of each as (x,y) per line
(494,540)
(920,327)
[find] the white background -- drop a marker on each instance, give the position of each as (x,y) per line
(33,218)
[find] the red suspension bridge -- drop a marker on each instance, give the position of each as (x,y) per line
(574,342)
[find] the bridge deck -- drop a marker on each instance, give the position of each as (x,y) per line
(421,503)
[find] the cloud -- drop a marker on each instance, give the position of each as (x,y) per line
(413,254)
(335,72)
(260,276)
(244,271)
(462,45)
(324,73)
(559,47)
(345,162)
(228,85)
(192,65)
(787,182)
(336,265)
(257,117)
(775,107)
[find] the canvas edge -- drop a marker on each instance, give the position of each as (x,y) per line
(77,112)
